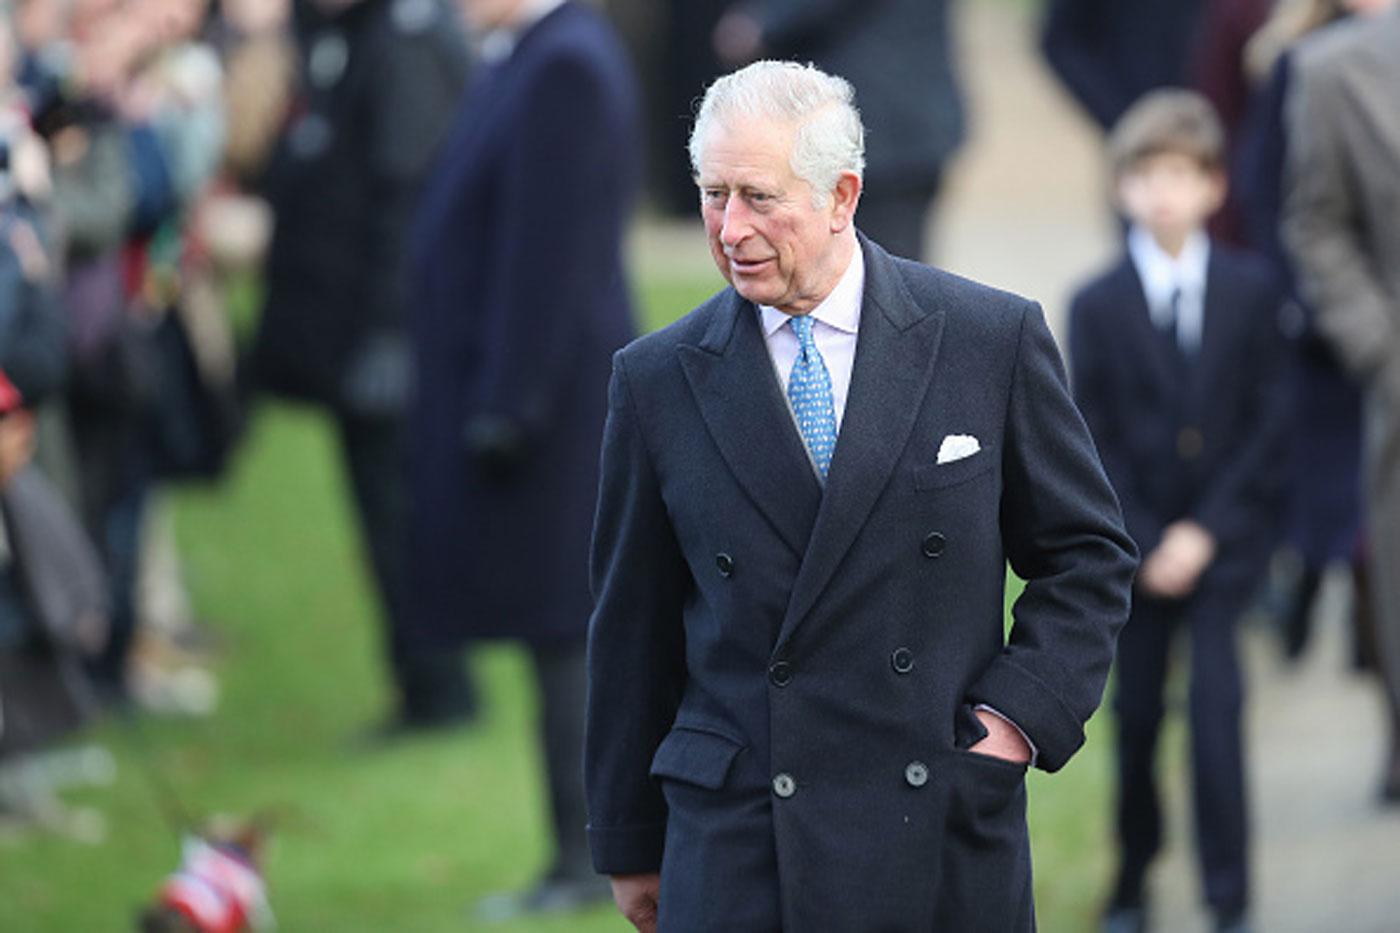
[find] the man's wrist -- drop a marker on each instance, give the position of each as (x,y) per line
(1032,752)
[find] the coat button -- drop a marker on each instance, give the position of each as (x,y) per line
(1189,443)
(934,544)
(916,773)
(725,563)
(784,786)
(780,673)
(902,660)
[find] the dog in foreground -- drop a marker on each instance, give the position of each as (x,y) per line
(218,887)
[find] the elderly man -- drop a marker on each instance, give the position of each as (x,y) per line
(804,712)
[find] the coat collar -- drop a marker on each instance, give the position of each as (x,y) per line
(1160,351)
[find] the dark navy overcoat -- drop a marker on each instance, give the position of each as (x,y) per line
(782,674)
(519,303)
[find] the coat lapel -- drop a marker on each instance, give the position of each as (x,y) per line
(1214,321)
(1160,351)
(893,368)
(731,375)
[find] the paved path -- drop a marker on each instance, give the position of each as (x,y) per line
(1026,209)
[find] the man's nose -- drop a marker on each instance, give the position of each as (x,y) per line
(736,222)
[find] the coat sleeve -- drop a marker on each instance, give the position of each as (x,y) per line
(1063,534)
(1323,227)
(636,647)
(1101,405)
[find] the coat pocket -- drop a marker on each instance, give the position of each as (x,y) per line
(942,475)
(986,878)
(695,757)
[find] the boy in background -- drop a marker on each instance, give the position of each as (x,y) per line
(1177,360)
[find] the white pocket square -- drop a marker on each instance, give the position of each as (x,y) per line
(957,447)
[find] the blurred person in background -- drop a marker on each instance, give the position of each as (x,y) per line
(898,55)
(685,63)
(53,613)
(1342,224)
(1324,508)
(1218,71)
(33,328)
(254,41)
(53,609)
(76,63)
(1108,53)
(1178,359)
(520,301)
(172,109)
(128,103)
(377,83)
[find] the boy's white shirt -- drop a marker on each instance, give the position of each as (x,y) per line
(1162,274)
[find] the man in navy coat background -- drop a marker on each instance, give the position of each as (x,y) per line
(1108,53)
(804,712)
(519,303)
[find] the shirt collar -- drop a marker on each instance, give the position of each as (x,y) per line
(498,44)
(1162,273)
(840,309)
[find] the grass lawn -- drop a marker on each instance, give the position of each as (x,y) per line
(397,840)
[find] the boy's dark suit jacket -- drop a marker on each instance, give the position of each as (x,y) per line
(780,674)
(1205,440)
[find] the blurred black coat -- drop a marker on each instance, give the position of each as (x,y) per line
(1108,53)
(519,303)
(897,54)
(377,87)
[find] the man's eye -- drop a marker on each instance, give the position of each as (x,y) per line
(758,197)
(713,194)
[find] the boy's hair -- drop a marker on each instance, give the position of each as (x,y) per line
(1169,120)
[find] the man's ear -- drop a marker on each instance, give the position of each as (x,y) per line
(845,196)
(1220,189)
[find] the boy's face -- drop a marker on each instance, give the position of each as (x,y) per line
(1170,194)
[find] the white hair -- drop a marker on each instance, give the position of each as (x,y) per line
(829,138)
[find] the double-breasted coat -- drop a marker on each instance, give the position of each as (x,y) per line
(519,303)
(782,672)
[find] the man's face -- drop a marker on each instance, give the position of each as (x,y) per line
(770,242)
(1170,194)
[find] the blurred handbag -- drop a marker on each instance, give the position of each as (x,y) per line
(195,417)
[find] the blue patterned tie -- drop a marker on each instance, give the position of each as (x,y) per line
(809,390)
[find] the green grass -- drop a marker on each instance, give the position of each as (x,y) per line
(401,840)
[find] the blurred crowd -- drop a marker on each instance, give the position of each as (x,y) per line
(158,155)
(128,131)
